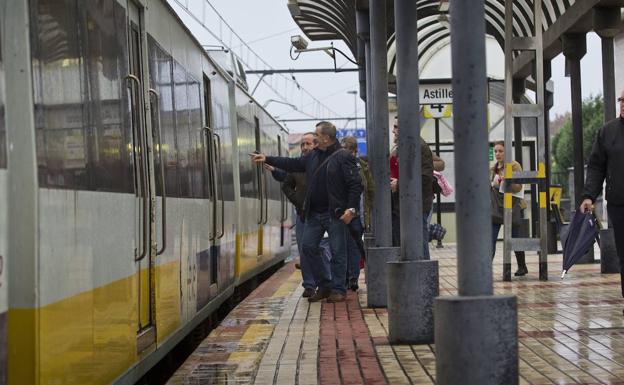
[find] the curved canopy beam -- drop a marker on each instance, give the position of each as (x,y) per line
(335,19)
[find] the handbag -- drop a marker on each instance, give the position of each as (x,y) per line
(436,232)
(443,184)
(497,207)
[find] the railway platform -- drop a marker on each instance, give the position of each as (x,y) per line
(570,331)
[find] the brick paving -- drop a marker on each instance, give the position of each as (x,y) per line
(571,331)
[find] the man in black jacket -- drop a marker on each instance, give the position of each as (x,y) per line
(607,161)
(331,202)
(294,187)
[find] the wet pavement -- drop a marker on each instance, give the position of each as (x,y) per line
(571,331)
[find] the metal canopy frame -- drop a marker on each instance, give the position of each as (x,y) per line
(335,19)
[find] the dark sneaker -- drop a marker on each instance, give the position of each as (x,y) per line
(336,297)
(319,295)
(521,271)
(353,284)
(307,293)
(297,266)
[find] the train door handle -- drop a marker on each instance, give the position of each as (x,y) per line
(141,167)
(219,235)
(162,175)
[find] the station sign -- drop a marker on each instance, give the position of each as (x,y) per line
(440,93)
(437,111)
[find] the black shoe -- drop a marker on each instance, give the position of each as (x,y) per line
(336,297)
(319,295)
(521,271)
(308,292)
(353,284)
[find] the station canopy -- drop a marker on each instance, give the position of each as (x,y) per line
(336,19)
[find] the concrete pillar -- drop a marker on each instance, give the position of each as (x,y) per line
(574,48)
(363,33)
(412,281)
(475,332)
(606,25)
(382,253)
(380,133)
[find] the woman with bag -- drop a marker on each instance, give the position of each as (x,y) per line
(497,178)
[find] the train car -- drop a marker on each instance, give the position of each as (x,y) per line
(133,214)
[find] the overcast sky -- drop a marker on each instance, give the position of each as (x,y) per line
(267,26)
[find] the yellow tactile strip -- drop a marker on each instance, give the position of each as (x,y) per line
(232,352)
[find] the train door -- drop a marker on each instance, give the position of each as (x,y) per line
(145,248)
(209,263)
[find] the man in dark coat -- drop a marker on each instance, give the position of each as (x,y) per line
(607,162)
(294,187)
(331,202)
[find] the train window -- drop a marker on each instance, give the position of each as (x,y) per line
(182,130)
(247,169)
(161,79)
(59,107)
(221,124)
(207,103)
(105,63)
(196,153)
(209,170)
(79,58)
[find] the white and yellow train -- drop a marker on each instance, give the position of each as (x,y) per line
(129,208)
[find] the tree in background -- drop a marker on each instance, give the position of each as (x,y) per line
(562,153)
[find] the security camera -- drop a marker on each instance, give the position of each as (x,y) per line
(299,42)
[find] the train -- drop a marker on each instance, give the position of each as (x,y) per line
(130,208)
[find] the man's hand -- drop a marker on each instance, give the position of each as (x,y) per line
(257,158)
(347,217)
(587,206)
(269,167)
(394,184)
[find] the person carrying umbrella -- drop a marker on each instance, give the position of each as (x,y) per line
(607,162)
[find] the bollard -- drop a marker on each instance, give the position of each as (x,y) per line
(377,259)
(411,293)
(484,335)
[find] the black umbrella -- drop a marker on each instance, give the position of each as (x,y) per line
(582,232)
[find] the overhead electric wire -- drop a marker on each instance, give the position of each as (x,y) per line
(184,7)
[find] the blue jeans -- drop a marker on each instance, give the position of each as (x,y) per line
(316,225)
(306,269)
(353,252)
(306,264)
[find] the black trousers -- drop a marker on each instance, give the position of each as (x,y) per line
(616,215)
